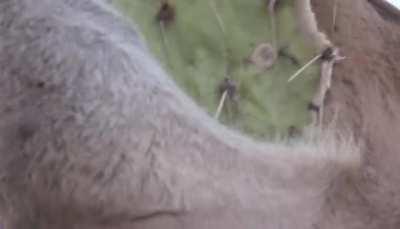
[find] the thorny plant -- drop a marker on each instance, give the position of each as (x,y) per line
(263,57)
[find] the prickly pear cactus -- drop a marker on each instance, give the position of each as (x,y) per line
(227,49)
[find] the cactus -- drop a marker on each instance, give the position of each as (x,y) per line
(203,42)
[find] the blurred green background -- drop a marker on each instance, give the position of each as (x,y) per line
(199,53)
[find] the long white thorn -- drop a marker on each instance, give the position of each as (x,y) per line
(313,60)
(221,25)
(334,15)
(271,10)
(221,104)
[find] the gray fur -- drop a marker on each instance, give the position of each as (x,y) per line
(95,135)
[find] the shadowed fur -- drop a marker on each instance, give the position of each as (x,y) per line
(95,135)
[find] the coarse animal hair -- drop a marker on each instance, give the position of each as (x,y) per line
(308,26)
(95,135)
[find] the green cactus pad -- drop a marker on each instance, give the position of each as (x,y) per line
(201,42)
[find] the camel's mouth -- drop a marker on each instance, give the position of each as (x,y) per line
(234,58)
